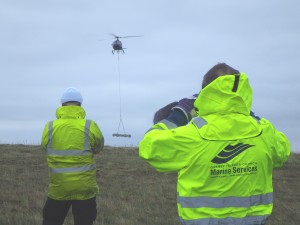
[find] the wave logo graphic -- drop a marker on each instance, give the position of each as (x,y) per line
(230,152)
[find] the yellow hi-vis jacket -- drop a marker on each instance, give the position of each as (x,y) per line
(224,157)
(70,143)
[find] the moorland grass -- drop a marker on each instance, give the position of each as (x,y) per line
(131,192)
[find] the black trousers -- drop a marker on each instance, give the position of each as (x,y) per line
(55,212)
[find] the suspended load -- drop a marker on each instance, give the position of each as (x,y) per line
(118,47)
(124,133)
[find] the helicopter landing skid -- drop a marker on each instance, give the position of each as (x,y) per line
(113,51)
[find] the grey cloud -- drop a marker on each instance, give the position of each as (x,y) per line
(50,45)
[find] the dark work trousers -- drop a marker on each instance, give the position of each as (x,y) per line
(55,212)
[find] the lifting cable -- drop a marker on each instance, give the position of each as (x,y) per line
(120,106)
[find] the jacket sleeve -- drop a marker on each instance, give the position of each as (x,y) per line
(282,149)
(96,138)
(167,147)
(45,137)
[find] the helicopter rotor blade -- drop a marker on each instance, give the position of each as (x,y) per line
(131,36)
(114,35)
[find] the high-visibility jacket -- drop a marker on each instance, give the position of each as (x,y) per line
(70,143)
(224,157)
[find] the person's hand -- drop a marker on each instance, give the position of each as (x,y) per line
(164,112)
(187,106)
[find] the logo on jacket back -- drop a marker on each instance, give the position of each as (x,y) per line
(230,152)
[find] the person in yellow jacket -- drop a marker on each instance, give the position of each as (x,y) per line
(70,143)
(224,156)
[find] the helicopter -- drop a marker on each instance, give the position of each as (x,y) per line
(117,44)
(118,47)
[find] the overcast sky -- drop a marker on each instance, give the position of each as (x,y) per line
(47,46)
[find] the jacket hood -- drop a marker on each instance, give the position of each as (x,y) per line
(70,112)
(225,105)
(226,94)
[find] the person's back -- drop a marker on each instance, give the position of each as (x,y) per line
(224,157)
(70,142)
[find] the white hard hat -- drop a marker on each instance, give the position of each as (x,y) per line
(71,94)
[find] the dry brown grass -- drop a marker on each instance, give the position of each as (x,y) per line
(132,193)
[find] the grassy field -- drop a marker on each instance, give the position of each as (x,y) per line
(132,193)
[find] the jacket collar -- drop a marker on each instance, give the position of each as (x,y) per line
(70,112)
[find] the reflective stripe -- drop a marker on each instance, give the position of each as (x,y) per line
(213,202)
(169,124)
(199,122)
(50,130)
(72,169)
(153,129)
(257,220)
(69,152)
(187,116)
(86,134)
